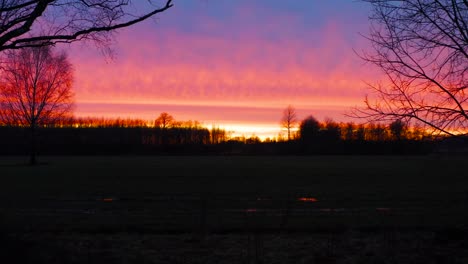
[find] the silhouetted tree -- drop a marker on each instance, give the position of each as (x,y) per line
(289,119)
(253,140)
(332,130)
(35,89)
(309,129)
(361,133)
(416,133)
(164,121)
(422,48)
(218,135)
(33,23)
(376,132)
(398,129)
(349,131)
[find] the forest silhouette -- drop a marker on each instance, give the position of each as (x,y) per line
(136,136)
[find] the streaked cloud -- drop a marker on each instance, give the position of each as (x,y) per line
(253,57)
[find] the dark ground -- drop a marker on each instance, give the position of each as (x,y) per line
(233,209)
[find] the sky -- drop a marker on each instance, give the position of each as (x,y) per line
(231,64)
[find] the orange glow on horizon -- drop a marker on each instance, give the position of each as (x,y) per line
(238,81)
(244,122)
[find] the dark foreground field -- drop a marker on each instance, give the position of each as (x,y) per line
(232,209)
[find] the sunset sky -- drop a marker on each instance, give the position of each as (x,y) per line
(233,64)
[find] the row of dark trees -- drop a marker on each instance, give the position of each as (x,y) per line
(310,129)
(108,136)
(168,136)
(330,137)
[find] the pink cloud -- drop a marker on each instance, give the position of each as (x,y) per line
(187,67)
(263,66)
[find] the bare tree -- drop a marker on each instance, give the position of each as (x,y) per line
(421,46)
(32,23)
(35,89)
(164,121)
(289,119)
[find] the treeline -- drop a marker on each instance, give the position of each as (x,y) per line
(168,136)
(311,129)
(329,137)
(111,136)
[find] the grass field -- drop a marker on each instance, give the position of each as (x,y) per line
(157,196)
(376,176)
(407,184)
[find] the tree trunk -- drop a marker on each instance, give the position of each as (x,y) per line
(32,154)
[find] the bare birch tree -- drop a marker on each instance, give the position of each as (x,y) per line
(289,119)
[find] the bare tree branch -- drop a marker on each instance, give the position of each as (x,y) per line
(421,46)
(46,22)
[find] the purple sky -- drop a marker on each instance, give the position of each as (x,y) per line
(231,63)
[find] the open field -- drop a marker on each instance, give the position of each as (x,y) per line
(237,200)
(166,193)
